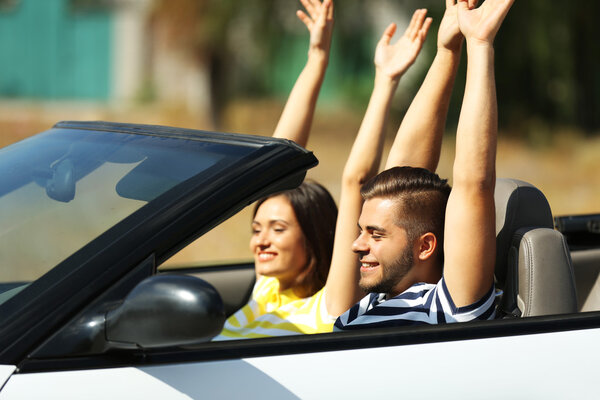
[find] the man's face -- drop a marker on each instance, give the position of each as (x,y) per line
(384,251)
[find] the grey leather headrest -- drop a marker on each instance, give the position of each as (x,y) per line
(518,205)
(544,283)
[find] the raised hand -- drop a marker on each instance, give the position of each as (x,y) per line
(449,35)
(481,24)
(296,118)
(394,59)
(319,22)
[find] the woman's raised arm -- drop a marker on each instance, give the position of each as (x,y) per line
(391,61)
(296,119)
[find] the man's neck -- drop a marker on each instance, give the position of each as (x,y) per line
(418,274)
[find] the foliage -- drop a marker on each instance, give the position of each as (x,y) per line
(547,55)
(548,65)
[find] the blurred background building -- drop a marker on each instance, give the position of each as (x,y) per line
(71,49)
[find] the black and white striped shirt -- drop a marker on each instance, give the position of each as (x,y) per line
(422,303)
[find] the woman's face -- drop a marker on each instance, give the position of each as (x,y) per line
(277,242)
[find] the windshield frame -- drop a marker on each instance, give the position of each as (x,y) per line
(158,229)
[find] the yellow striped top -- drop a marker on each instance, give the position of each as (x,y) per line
(273,313)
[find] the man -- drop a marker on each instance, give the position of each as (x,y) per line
(402,228)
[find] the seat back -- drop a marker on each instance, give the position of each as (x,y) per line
(533,264)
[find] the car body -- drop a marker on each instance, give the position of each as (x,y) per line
(89,210)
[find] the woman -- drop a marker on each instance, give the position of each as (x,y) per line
(292,246)
(304,282)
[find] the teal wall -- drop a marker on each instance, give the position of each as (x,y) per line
(50,50)
(349,74)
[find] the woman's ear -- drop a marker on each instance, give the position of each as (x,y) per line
(427,244)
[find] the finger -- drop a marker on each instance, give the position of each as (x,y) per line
(425,29)
(411,24)
(317,5)
(304,18)
(420,19)
(472,4)
(388,33)
(321,19)
(308,5)
(463,5)
(329,10)
(450,3)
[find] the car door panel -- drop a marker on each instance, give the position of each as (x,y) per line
(5,373)
(111,383)
(460,369)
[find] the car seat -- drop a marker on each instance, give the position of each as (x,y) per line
(533,264)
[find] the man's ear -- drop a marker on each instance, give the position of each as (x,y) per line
(427,243)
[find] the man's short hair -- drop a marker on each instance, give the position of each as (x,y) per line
(421,196)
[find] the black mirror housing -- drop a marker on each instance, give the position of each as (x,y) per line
(166,310)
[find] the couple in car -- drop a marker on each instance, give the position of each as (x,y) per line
(402,248)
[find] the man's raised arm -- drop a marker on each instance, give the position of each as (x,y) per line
(470,238)
(419,139)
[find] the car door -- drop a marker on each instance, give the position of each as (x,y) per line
(538,357)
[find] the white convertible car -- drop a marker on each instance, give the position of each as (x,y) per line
(88,211)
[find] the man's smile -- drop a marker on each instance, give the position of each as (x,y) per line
(368,265)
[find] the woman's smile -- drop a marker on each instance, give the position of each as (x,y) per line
(264,256)
(277,241)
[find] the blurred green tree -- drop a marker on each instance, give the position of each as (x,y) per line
(547,67)
(547,59)
(258,48)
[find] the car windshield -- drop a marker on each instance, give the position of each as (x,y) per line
(61,189)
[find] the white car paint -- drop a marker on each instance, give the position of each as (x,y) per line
(111,383)
(5,373)
(550,366)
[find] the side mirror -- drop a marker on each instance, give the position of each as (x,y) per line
(166,310)
(160,311)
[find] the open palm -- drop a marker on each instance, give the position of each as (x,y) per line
(482,23)
(449,35)
(319,22)
(394,59)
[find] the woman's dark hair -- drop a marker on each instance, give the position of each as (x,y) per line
(316,213)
